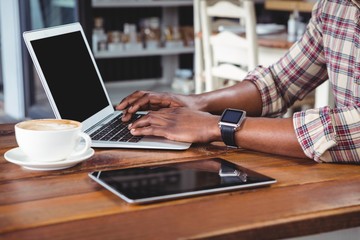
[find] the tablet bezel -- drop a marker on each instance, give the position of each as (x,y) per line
(196,167)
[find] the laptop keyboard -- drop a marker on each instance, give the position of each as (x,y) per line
(116,131)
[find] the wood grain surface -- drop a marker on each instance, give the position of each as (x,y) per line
(308,198)
(290,5)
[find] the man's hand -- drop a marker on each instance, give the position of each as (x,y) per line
(178,124)
(145,100)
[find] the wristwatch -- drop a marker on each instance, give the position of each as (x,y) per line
(229,123)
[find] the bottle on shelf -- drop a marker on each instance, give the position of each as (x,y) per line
(292,26)
(99,37)
(115,43)
(173,37)
(151,32)
(131,39)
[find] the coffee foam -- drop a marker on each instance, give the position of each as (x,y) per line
(48,125)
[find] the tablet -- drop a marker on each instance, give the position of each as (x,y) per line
(157,183)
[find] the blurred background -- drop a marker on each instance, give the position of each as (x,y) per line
(144,44)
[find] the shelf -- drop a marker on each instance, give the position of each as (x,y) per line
(156,63)
(140,3)
(142,53)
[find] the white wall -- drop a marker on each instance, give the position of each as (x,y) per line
(11,58)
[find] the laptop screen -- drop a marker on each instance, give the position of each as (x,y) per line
(70,75)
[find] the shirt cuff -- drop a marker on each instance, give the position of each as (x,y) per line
(315,132)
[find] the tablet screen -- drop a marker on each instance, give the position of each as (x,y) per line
(155,183)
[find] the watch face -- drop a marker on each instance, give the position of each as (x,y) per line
(232,116)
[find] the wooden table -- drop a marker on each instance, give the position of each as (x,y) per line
(66,204)
(277,41)
(290,5)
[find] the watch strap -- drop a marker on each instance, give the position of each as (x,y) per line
(228,135)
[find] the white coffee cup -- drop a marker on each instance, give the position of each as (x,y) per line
(49,140)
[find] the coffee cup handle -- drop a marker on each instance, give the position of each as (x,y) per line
(86,146)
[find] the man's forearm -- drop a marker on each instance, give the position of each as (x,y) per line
(271,135)
(244,95)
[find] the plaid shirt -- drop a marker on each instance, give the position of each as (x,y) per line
(329,50)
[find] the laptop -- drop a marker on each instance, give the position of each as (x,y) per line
(178,180)
(75,89)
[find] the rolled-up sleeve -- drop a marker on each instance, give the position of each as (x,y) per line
(328,50)
(296,74)
(329,135)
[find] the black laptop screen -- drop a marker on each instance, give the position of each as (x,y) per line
(70,75)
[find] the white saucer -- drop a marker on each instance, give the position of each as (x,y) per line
(17,156)
(269,28)
(261,28)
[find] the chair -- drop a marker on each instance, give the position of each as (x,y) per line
(228,55)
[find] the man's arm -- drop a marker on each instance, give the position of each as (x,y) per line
(243,95)
(270,135)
